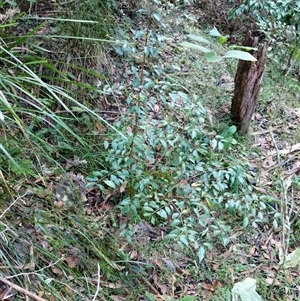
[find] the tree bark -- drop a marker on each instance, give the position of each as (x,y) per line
(248,81)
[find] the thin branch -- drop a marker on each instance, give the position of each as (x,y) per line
(21,290)
(37,271)
(15,201)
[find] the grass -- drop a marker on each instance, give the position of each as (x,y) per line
(67,169)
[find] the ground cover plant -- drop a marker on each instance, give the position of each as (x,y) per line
(121,175)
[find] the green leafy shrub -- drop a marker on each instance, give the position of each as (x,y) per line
(279,20)
(175,173)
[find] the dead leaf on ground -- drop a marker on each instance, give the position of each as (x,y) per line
(162,287)
(270,281)
(56,270)
(207,286)
(75,162)
(72,261)
(112,285)
(156,108)
(216,283)
(252,250)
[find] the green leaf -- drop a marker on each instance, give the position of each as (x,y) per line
(241,55)
(195,47)
(90,184)
(184,240)
(136,83)
(201,253)
(106,144)
(232,129)
(222,40)
(245,222)
(246,48)
(214,143)
(149,209)
(110,183)
(138,34)
(198,38)
(171,236)
(147,50)
(156,16)
(125,202)
(220,145)
(114,145)
(118,50)
(275,224)
(212,57)
(97,174)
(162,213)
(13,3)
(214,32)
(175,222)
(148,85)
(92,179)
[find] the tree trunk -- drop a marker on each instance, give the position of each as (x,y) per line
(247,81)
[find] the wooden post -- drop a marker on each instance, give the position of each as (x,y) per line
(248,81)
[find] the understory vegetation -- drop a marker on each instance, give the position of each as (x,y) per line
(122,176)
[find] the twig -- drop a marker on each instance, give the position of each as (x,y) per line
(8,208)
(98,284)
(22,290)
(37,271)
(15,201)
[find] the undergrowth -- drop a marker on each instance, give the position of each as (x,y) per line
(87,160)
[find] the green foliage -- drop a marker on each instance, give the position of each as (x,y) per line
(279,20)
(41,122)
(29,103)
(211,55)
(99,13)
(267,11)
(178,174)
(175,171)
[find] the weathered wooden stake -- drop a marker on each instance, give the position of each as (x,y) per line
(248,81)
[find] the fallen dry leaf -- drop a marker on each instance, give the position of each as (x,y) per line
(56,270)
(72,261)
(156,108)
(162,287)
(216,283)
(252,250)
(207,286)
(269,281)
(112,285)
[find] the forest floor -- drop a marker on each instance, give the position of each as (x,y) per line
(75,252)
